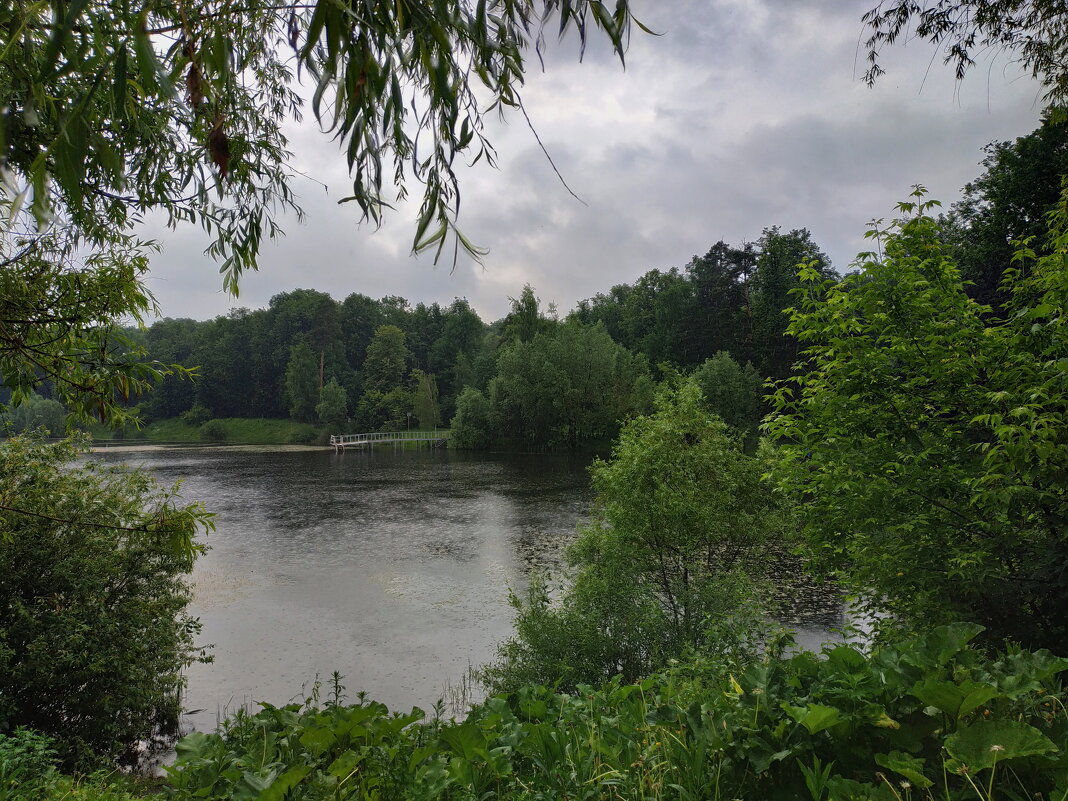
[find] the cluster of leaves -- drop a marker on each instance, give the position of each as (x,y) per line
(96,128)
(730,299)
(93,635)
(60,313)
(1032,30)
(926,439)
(664,567)
(29,772)
(928,718)
(555,384)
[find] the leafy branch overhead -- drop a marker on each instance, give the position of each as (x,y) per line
(1031,31)
(115,109)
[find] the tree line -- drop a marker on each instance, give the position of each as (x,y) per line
(534,378)
(531,378)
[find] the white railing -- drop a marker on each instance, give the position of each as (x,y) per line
(343,440)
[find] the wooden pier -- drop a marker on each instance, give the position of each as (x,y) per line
(341,441)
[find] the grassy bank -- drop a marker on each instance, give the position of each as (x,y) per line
(230,430)
(236,430)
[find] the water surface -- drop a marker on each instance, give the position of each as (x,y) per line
(392,567)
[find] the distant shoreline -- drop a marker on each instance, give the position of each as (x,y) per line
(128,446)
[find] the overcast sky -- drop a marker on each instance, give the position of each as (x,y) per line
(744,114)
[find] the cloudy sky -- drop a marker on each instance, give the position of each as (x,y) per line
(743,114)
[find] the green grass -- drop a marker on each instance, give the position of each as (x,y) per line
(234,430)
(231,430)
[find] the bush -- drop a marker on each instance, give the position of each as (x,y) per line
(666,564)
(27,765)
(213,431)
(196,415)
(927,441)
(472,425)
(93,630)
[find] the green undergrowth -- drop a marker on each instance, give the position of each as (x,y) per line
(28,772)
(931,718)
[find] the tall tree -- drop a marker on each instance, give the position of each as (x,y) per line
(526,320)
(929,449)
(332,408)
(302,382)
(386,362)
(774,278)
(1010,201)
(424,393)
(722,315)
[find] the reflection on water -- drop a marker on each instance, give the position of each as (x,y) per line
(391,567)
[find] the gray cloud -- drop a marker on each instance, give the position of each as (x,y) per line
(741,116)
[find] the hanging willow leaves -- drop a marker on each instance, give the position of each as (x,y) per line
(78,74)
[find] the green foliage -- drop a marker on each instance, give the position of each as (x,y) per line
(734,393)
(379,411)
(425,399)
(566,386)
(93,632)
(1009,202)
(35,413)
(731,299)
(302,382)
(841,724)
(525,321)
(332,408)
(679,516)
(964,29)
(472,425)
(27,765)
(59,310)
(927,448)
(386,363)
(774,279)
(97,131)
(196,415)
(213,431)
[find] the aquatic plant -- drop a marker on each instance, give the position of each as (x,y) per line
(927,718)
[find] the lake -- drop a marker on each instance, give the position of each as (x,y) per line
(392,567)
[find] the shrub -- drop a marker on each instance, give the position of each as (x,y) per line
(27,765)
(927,441)
(213,431)
(93,630)
(472,425)
(665,564)
(196,415)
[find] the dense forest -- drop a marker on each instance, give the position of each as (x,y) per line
(541,380)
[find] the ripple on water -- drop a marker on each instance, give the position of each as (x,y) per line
(391,567)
